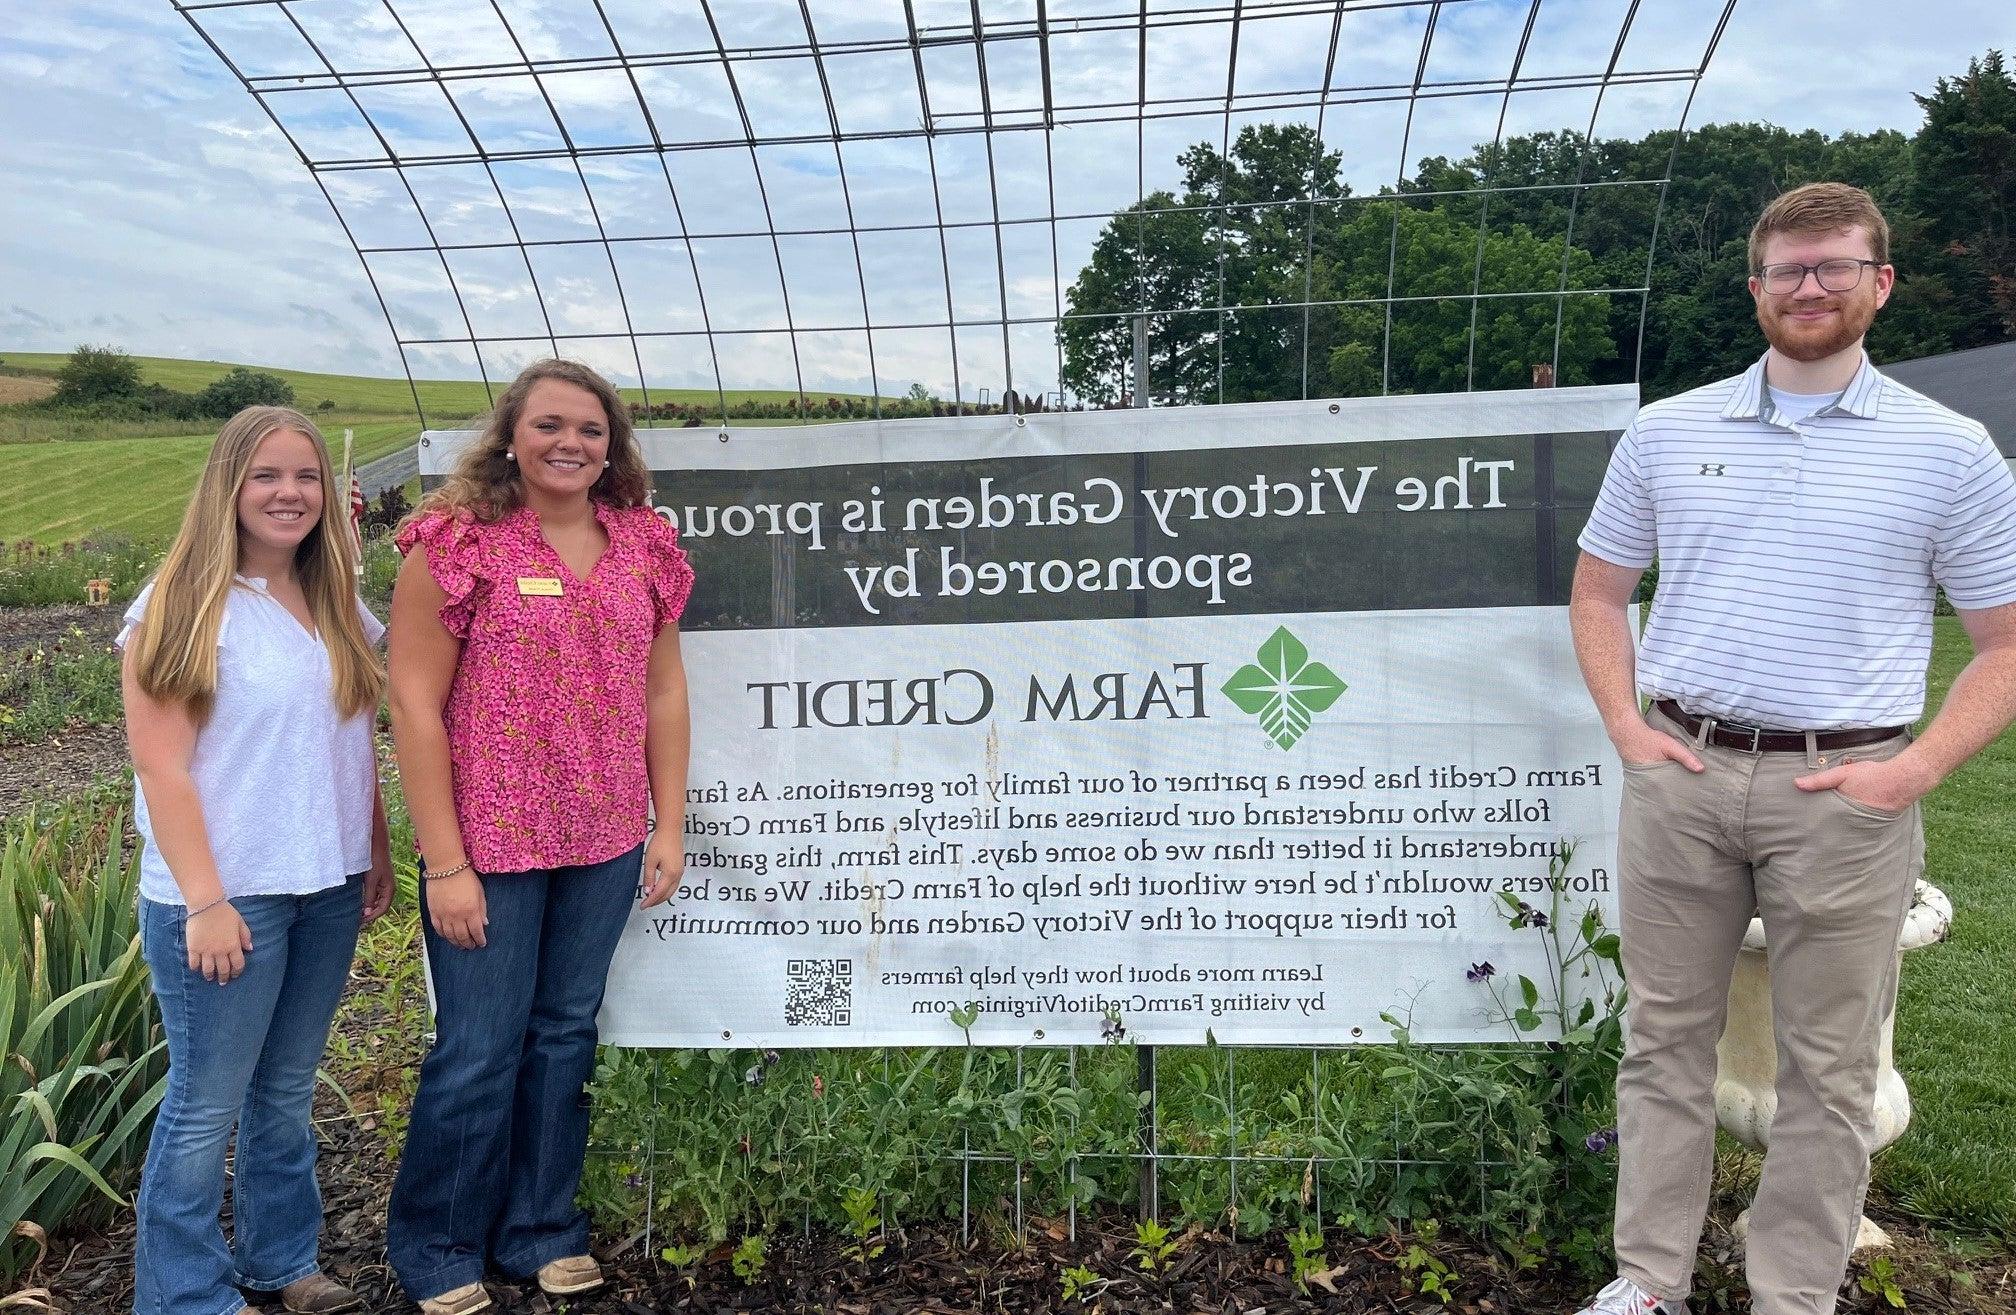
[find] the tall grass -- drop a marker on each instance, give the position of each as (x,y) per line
(85,1066)
(21,424)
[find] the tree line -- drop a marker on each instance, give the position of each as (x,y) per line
(104,383)
(1270,224)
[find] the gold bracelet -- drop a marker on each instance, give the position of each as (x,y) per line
(463,866)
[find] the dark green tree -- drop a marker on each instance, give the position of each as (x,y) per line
(1589,205)
(241,388)
(1965,187)
(1437,258)
(94,375)
(1238,236)
(1149,260)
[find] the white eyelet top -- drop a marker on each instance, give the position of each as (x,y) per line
(286,783)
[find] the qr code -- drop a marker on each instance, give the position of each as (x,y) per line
(819,992)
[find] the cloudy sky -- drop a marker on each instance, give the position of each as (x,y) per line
(151,203)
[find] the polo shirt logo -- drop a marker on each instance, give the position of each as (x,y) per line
(1714,468)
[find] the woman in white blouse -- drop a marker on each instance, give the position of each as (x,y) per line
(251,682)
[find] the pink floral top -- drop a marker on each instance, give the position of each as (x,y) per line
(546,716)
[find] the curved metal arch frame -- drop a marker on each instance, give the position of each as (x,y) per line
(1140,19)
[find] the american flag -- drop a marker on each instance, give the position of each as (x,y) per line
(356,521)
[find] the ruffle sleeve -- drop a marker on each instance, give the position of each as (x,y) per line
(666,570)
(454,559)
(138,609)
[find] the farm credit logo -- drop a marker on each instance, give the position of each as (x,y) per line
(1283,688)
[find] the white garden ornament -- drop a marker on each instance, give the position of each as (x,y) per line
(1746,1087)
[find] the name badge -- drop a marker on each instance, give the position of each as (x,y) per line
(535,586)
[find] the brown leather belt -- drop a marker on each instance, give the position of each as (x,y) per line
(1758,739)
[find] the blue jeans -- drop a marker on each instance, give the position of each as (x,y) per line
(500,1123)
(245,1052)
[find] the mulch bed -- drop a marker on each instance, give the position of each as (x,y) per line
(59,767)
(929,1269)
(27,627)
(64,764)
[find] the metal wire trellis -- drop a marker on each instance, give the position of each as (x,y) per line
(853,197)
(630,182)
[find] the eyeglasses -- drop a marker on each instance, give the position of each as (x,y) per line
(1834,275)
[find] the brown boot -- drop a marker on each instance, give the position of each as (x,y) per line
(318,1294)
(570,1274)
(465,1300)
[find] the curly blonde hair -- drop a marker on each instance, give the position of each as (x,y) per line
(486,482)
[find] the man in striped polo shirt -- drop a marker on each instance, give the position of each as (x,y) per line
(1802,514)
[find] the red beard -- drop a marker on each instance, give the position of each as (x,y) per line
(1817,339)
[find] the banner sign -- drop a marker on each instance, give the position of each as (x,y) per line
(1229,720)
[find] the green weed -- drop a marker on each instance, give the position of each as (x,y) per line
(1880,1280)
(1080,1284)
(1305,1253)
(1153,1245)
(750,1257)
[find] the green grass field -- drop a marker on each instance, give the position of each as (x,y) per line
(1956,1011)
(60,481)
(130,486)
(355,395)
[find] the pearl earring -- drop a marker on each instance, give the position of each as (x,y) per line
(605,465)
(510,455)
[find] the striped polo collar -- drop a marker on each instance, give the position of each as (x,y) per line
(1750,401)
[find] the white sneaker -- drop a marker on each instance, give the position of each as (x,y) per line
(1623,1297)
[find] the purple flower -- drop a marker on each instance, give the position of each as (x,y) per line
(1601,1140)
(754,1076)
(633,1180)
(770,1057)
(1480,972)
(1111,1028)
(1536,919)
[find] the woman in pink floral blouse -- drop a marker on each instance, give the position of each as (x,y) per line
(539,705)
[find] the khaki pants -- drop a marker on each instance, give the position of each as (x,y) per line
(1697,855)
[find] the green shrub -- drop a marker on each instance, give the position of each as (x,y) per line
(96,374)
(34,576)
(85,1066)
(244,387)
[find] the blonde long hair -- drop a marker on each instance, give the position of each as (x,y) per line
(485,483)
(174,647)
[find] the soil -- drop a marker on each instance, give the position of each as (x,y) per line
(59,767)
(66,763)
(28,627)
(24,388)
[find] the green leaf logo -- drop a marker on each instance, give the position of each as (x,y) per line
(1284,689)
